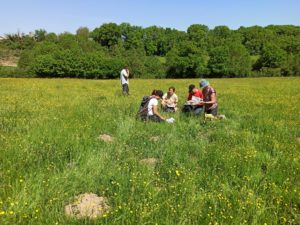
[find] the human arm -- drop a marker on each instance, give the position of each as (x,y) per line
(155,112)
(176,100)
(213,99)
(125,73)
(164,100)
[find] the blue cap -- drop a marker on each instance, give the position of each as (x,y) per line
(203,83)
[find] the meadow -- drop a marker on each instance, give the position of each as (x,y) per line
(242,170)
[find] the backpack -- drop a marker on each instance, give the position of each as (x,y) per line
(142,113)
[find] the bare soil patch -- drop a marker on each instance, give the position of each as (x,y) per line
(151,162)
(154,138)
(87,205)
(106,138)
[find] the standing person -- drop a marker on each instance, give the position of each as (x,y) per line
(194,102)
(153,114)
(124,77)
(170,100)
(209,97)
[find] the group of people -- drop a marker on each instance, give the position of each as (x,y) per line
(199,100)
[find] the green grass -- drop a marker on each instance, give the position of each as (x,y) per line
(243,170)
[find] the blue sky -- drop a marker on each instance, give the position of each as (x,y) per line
(68,15)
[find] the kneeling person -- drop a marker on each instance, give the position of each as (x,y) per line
(210,97)
(153,114)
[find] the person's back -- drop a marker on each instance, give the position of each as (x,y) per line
(152,102)
(153,114)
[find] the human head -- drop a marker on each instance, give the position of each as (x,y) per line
(158,93)
(191,88)
(203,83)
(171,90)
(126,67)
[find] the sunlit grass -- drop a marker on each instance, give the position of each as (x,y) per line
(243,170)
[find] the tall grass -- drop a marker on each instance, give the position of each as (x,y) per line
(243,170)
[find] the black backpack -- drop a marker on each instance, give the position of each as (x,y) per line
(142,114)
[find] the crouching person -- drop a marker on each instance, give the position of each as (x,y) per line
(153,114)
(194,103)
(169,101)
(210,97)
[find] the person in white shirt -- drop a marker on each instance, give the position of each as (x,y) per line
(153,114)
(170,100)
(124,77)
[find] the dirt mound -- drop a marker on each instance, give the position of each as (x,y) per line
(151,162)
(106,138)
(154,138)
(12,62)
(87,205)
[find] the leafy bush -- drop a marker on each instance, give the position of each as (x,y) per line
(186,60)
(154,68)
(8,71)
(229,61)
(75,63)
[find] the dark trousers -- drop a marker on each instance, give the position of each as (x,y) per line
(213,111)
(125,89)
(168,109)
(155,118)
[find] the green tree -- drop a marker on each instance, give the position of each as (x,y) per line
(154,68)
(231,60)
(67,41)
(40,35)
(186,60)
(292,65)
(171,38)
(42,48)
(255,37)
(155,41)
(51,37)
(108,35)
(218,61)
(131,36)
(198,34)
(272,56)
(240,63)
(82,34)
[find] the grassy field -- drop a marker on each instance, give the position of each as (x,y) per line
(243,170)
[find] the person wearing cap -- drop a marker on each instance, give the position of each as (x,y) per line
(209,97)
(194,101)
(124,77)
(153,114)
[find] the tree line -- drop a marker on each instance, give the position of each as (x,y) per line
(156,52)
